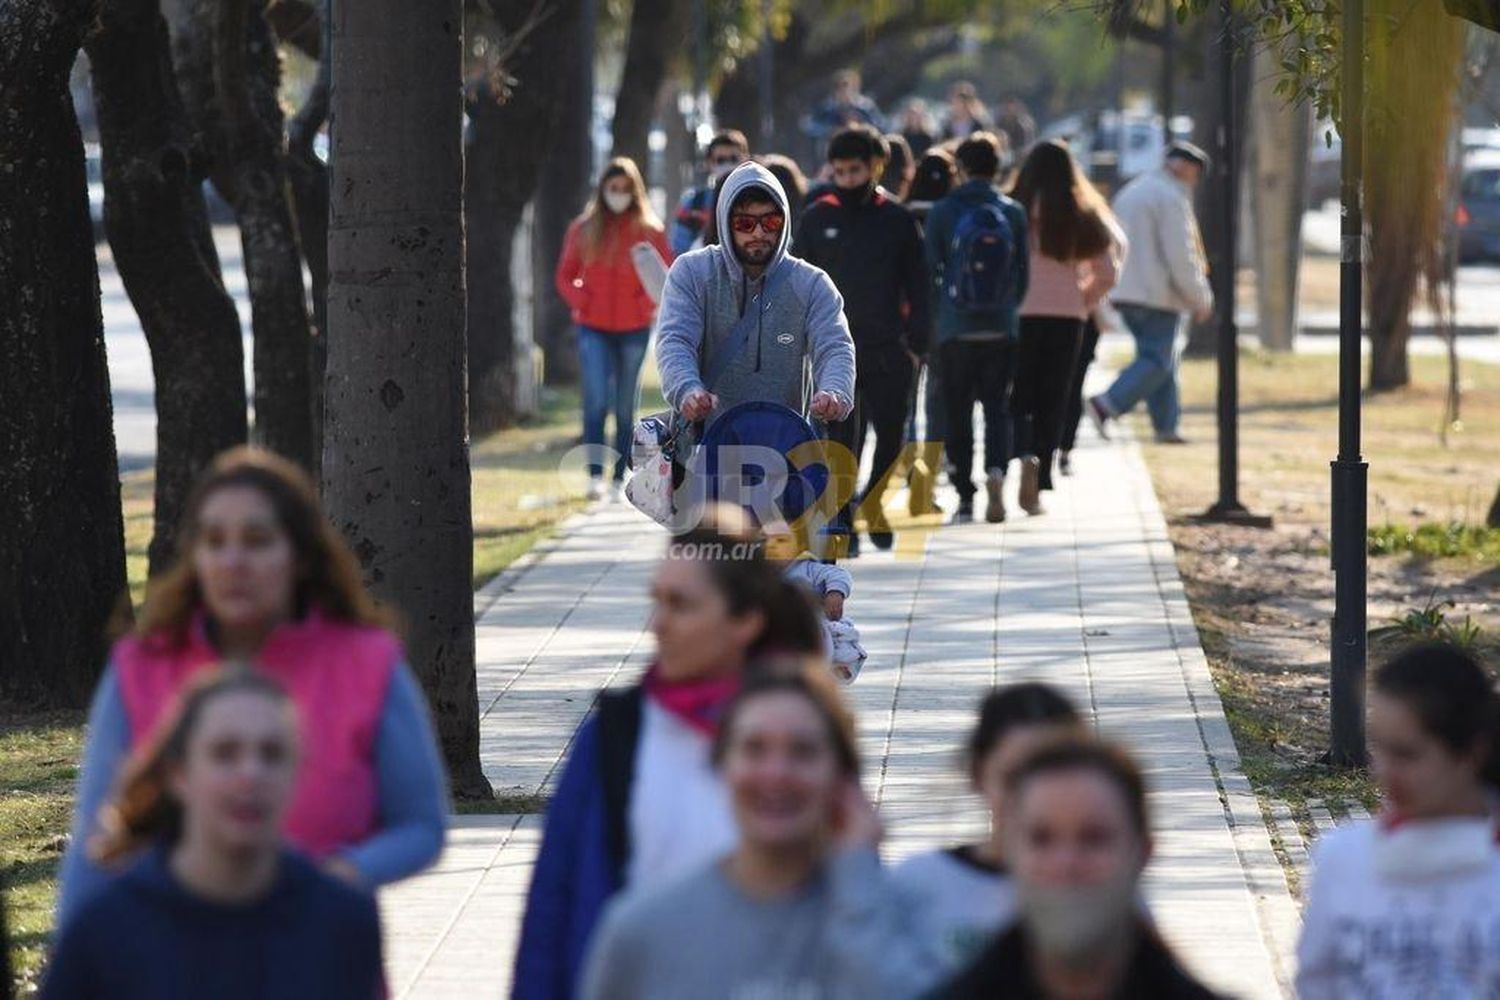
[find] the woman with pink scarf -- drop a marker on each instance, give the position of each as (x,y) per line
(639,801)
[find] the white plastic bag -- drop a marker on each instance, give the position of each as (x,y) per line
(844,650)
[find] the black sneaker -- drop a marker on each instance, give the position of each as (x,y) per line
(965,512)
(852,552)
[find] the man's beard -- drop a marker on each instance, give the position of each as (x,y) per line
(754,257)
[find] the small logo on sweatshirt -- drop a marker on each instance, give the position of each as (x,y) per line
(830,233)
(785,339)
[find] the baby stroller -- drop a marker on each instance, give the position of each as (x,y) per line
(760,455)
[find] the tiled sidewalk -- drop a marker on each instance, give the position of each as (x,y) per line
(1087,598)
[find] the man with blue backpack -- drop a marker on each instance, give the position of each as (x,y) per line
(977,253)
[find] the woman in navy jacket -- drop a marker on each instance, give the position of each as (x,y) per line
(639,801)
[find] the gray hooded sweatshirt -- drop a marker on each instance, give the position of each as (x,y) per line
(802,326)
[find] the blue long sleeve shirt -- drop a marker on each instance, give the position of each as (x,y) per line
(410,782)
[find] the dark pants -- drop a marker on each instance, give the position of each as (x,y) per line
(1074,411)
(977,371)
(882,398)
(1045,361)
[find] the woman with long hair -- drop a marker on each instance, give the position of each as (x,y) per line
(936,176)
(799,905)
(1409,905)
(261,576)
(1078,837)
(597,278)
(213,904)
(1076,254)
(639,803)
(965,894)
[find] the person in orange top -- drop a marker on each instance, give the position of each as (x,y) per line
(597,278)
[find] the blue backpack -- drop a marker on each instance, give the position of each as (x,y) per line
(980,275)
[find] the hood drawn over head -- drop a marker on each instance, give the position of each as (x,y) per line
(748,175)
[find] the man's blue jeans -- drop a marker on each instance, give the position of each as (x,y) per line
(609,366)
(1152,376)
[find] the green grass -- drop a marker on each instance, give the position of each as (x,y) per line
(1434,540)
(38,755)
(522,488)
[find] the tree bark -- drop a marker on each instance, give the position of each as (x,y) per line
(657,28)
(1415,53)
(396,461)
(560,194)
(489,229)
(529,108)
(309,189)
(1278,189)
(62,546)
(158,230)
(247,76)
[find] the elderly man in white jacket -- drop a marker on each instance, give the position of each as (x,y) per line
(1164,278)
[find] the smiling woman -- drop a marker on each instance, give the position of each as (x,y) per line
(213,905)
(801,905)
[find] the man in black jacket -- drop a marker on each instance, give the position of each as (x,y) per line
(872,249)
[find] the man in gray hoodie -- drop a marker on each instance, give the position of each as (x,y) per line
(800,325)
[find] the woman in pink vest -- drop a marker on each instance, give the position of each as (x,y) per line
(261,577)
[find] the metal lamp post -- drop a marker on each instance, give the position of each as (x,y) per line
(1350,471)
(1228,508)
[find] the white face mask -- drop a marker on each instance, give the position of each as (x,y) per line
(1072,922)
(617,201)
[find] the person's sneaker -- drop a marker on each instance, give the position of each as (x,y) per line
(965,512)
(596,488)
(883,540)
(1030,497)
(1171,437)
(1065,463)
(852,550)
(994,486)
(1099,412)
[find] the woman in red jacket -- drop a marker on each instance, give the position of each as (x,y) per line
(597,278)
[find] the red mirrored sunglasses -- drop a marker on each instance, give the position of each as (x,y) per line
(771,223)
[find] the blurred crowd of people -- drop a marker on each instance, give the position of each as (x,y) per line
(260,758)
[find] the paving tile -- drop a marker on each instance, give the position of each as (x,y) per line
(1086,598)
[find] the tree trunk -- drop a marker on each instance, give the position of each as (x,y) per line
(247,76)
(657,28)
(1493,517)
(1207,109)
(1415,54)
(489,229)
(1278,165)
(62,544)
(560,194)
(530,109)
(158,230)
(309,188)
(396,459)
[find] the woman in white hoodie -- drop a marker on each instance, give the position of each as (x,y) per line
(1409,906)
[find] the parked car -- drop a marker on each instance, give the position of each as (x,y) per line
(1477,217)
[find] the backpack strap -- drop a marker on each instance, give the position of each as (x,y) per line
(748,322)
(619,737)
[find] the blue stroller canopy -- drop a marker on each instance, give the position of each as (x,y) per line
(750,455)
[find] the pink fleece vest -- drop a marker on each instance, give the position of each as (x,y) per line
(337,675)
